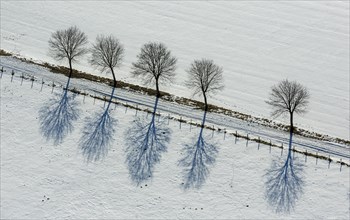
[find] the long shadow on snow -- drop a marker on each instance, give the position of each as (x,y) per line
(57,116)
(98,133)
(145,141)
(284,184)
(197,160)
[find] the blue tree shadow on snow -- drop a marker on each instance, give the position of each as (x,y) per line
(284,184)
(97,134)
(57,116)
(197,160)
(145,141)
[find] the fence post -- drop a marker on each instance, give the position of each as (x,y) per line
(293,152)
(180,121)
(42,84)
(306,156)
(258,142)
(126,109)
(32,81)
(212,134)
(282,149)
(236,137)
(136,110)
(329,160)
(246,144)
(22,79)
(2,70)
(53,86)
(12,74)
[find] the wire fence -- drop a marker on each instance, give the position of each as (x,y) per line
(251,140)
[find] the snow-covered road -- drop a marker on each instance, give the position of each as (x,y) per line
(224,122)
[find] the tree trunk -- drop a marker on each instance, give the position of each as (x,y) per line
(115,81)
(205,109)
(205,102)
(157,87)
(70,73)
(114,86)
(70,69)
(291,122)
(291,130)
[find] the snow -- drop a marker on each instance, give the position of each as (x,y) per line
(258,43)
(136,99)
(40,180)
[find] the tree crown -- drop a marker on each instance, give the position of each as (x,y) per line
(68,43)
(107,52)
(288,96)
(155,63)
(204,77)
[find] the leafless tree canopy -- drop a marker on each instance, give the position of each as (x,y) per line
(204,77)
(155,64)
(288,97)
(68,43)
(107,53)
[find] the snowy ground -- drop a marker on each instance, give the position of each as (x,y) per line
(258,43)
(219,121)
(41,180)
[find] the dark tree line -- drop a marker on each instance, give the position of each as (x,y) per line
(155,64)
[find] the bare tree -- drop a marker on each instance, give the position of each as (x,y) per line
(288,97)
(107,53)
(68,44)
(98,132)
(285,182)
(204,78)
(155,64)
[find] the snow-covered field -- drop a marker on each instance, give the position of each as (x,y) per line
(41,180)
(257,43)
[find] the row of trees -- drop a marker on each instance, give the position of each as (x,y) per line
(146,141)
(156,65)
